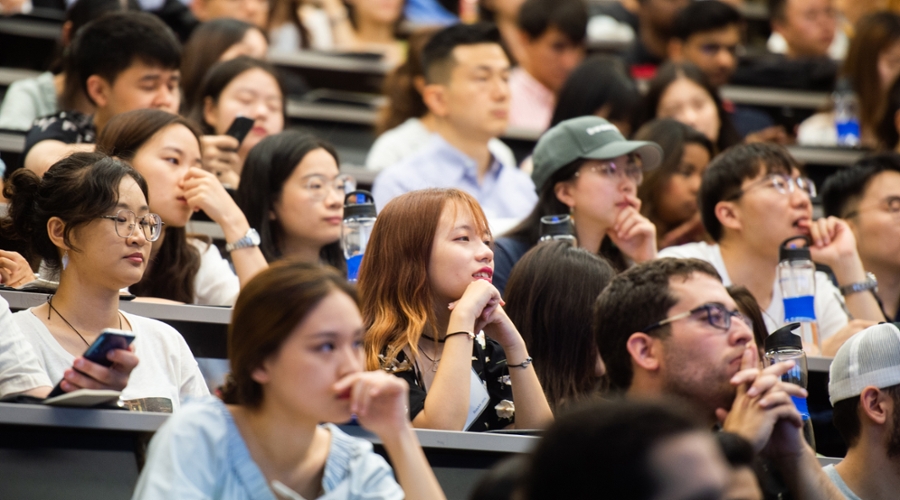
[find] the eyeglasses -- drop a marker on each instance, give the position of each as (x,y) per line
(716,315)
(891,205)
(319,186)
(150,224)
(630,169)
(784,184)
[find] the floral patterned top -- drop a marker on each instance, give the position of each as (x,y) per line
(489,362)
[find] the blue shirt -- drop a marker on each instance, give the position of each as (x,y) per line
(200,454)
(428,12)
(504,192)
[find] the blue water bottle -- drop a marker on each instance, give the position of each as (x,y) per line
(846,114)
(797,279)
(359,218)
(783,345)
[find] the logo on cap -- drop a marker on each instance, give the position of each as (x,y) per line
(600,128)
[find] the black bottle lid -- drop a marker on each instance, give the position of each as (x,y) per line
(784,337)
(787,252)
(359,203)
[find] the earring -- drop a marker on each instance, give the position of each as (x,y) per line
(65,260)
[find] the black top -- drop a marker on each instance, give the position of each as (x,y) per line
(69,127)
(507,251)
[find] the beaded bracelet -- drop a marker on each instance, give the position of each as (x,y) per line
(470,334)
(523,364)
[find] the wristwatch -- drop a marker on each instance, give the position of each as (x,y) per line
(860,286)
(251,239)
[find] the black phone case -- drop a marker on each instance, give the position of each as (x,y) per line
(239,128)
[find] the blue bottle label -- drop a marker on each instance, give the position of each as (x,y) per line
(353,267)
(800,404)
(799,309)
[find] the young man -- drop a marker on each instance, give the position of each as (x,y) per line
(466,91)
(708,34)
(650,47)
(126,61)
(804,29)
(668,327)
(864,388)
(752,199)
(867,197)
(552,34)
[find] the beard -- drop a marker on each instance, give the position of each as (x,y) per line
(705,386)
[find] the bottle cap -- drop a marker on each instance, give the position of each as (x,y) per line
(784,337)
(557,225)
(788,252)
(359,203)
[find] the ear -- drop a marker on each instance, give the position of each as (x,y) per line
(419,84)
(676,50)
(260,375)
(209,111)
(98,90)
(728,214)
(563,191)
(875,405)
(644,351)
(66,36)
(56,228)
(435,97)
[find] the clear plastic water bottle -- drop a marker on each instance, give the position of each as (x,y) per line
(359,218)
(783,345)
(797,279)
(846,114)
(558,227)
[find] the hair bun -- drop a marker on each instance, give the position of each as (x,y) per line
(21,190)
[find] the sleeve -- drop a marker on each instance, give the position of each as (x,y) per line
(382,155)
(379,482)
(416,393)
(385,188)
(50,128)
(20,369)
(215,283)
(830,308)
(18,111)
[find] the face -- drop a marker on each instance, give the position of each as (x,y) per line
(743,485)
(378,11)
(255,12)
(477,97)
(877,223)
(552,56)
(678,200)
(253,45)
(809,27)
(460,254)
(324,348)
(686,101)
(689,467)
(164,161)
(715,53)
(303,218)
(254,94)
(889,65)
(660,14)
(596,197)
(143,87)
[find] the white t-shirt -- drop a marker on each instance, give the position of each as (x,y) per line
(405,139)
(20,369)
(829,305)
(215,283)
(167,368)
(818,130)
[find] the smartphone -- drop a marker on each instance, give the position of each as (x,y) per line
(108,340)
(239,128)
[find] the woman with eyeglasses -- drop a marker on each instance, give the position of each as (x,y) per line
(294,197)
(89,218)
(165,149)
(584,168)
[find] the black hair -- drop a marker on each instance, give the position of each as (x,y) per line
(846,417)
(703,17)
(267,167)
(737,450)
(634,300)
(886,128)
(568,16)
(776,9)
(111,44)
(78,189)
(598,81)
(725,174)
(846,186)
(503,481)
(437,55)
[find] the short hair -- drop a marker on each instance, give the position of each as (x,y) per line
(846,187)
(846,417)
(599,81)
(632,301)
(725,174)
(606,447)
(109,45)
(437,55)
(777,9)
(703,17)
(568,16)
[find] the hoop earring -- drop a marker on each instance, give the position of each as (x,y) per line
(65,260)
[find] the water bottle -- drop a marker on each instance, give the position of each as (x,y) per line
(783,345)
(558,227)
(797,279)
(359,218)
(846,114)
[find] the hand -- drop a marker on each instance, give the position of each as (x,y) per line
(633,233)
(378,399)
(86,374)
(474,308)
(831,345)
(689,231)
(220,158)
(204,192)
(833,243)
(775,134)
(14,269)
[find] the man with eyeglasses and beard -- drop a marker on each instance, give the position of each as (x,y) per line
(753,198)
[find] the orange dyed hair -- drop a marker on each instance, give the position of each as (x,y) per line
(396,296)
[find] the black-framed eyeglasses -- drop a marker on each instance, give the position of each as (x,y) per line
(716,315)
(784,184)
(126,220)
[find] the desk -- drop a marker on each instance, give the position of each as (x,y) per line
(832,157)
(761,96)
(28,41)
(352,72)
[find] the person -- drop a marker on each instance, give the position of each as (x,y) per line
(88,219)
(553,314)
(255,12)
(625,449)
(295,346)
(585,168)
(864,388)
(752,199)
(215,41)
(437,322)
(293,196)
(552,35)
(375,29)
(303,24)
(124,61)
(165,149)
(239,87)
(505,14)
(669,193)
(668,328)
(871,66)
(805,29)
(466,89)
(650,46)
(742,483)
(751,311)
(888,128)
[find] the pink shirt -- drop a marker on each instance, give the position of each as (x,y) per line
(531,103)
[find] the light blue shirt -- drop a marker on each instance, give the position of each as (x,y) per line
(200,454)
(504,192)
(428,12)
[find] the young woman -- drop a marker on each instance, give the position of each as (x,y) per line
(165,149)
(239,87)
(427,296)
(295,345)
(669,193)
(88,218)
(599,86)
(293,195)
(553,312)
(595,181)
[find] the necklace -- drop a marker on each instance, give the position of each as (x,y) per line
(434,362)
(50,303)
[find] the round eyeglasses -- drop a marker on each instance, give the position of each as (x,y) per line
(150,224)
(318,186)
(629,169)
(784,184)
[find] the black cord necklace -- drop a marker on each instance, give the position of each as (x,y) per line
(50,303)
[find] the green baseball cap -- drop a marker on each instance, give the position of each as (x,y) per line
(587,137)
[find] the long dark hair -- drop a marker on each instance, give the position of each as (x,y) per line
(404,99)
(170,275)
(597,82)
(875,33)
(268,166)
(553,313)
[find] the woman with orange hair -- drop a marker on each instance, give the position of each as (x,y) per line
(426,292)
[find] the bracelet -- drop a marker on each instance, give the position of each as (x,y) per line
(470,334)
(523,364)
(861,286)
